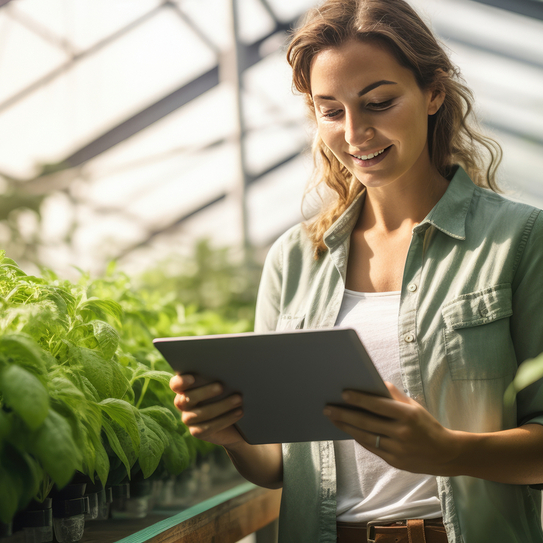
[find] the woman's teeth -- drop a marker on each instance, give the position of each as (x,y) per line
(371,155)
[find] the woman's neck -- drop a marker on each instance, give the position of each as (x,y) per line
(403,204)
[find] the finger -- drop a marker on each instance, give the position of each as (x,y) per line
(212,410)
(362,420)
(368,440)
(210,427)
(385,407)
(191,398)
(179,383)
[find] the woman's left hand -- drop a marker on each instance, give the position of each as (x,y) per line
(410,438)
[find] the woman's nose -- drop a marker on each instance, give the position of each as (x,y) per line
(357,129)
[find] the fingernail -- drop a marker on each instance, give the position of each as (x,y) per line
(327,412)
(189,379)
(235,400)
(216,389)
(238,412)
(346,396)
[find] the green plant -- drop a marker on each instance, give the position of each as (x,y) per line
(528,372)
(81,385)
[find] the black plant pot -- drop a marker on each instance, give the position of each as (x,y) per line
(70,506)
(36,521)
(5,530)
(131,500)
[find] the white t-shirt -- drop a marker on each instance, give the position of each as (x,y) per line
(367,487)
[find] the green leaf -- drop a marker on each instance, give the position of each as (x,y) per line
(160,376)
(162,415)
(10,490)
(5,426)
(115,444)
(101,457)
(176,455)
(106,377)
(22,349)
(528,372)
(25,394)
(123,414)
(151,445)
(102,309)
(55,448)
(107,338)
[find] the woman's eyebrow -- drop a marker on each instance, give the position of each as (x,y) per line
(365,90)
(375,85)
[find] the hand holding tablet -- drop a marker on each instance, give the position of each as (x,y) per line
(284,378)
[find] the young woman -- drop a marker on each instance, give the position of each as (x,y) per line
(441,277)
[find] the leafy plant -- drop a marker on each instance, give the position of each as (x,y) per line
(81,385)
(528,372)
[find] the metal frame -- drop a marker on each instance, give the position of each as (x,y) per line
(528,8)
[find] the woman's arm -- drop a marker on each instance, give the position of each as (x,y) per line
(214,422)
(260,464)
(411,439)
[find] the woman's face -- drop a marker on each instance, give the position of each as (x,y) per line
(371,113)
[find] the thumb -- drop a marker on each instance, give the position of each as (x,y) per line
(397,394)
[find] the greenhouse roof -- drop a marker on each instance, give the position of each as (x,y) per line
(116,114)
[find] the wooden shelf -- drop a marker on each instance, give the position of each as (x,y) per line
(226,517)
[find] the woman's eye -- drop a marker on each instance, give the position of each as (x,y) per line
(330,114)
(379,105)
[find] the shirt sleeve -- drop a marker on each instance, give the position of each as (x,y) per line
(527,319)
(268,303)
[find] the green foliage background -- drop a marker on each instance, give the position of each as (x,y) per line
(81,385)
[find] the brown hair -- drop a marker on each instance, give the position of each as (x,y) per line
(453,135)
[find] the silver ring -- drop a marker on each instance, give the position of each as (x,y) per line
(377,441)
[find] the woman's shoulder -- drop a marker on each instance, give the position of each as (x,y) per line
(501,209)
(295,239)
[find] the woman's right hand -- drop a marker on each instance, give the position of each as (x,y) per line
(212,422)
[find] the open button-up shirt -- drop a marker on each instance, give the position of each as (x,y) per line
(471,310)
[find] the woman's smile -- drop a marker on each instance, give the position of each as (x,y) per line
(371,159)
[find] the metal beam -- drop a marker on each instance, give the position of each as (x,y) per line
(145,118)
(47,78)
(502,52)
(42,31)
(220,198)
(528,8)
(250,56)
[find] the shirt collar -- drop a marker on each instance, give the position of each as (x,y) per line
(448,215)
(342,228)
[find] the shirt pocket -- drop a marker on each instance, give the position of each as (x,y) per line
(290,322)
(478,342)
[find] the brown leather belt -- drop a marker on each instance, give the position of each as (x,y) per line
(402,531)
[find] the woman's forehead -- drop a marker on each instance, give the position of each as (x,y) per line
(355,65)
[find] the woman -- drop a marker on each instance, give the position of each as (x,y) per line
(441,278)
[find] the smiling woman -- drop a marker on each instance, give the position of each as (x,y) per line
(440,277)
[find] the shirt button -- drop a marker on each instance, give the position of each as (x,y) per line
(412,287)
(409,338)
(483,309)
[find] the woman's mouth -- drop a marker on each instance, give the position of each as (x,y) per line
(372,158)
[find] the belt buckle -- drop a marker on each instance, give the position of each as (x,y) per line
(370,530)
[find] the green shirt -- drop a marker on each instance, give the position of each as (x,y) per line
(471,310)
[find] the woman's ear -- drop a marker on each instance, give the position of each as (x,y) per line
(437,96)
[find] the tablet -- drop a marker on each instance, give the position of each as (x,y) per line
(285,378)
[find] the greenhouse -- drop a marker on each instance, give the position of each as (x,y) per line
(152,153)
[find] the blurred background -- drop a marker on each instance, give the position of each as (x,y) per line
(131,130)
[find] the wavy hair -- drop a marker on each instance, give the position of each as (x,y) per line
(453,133)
